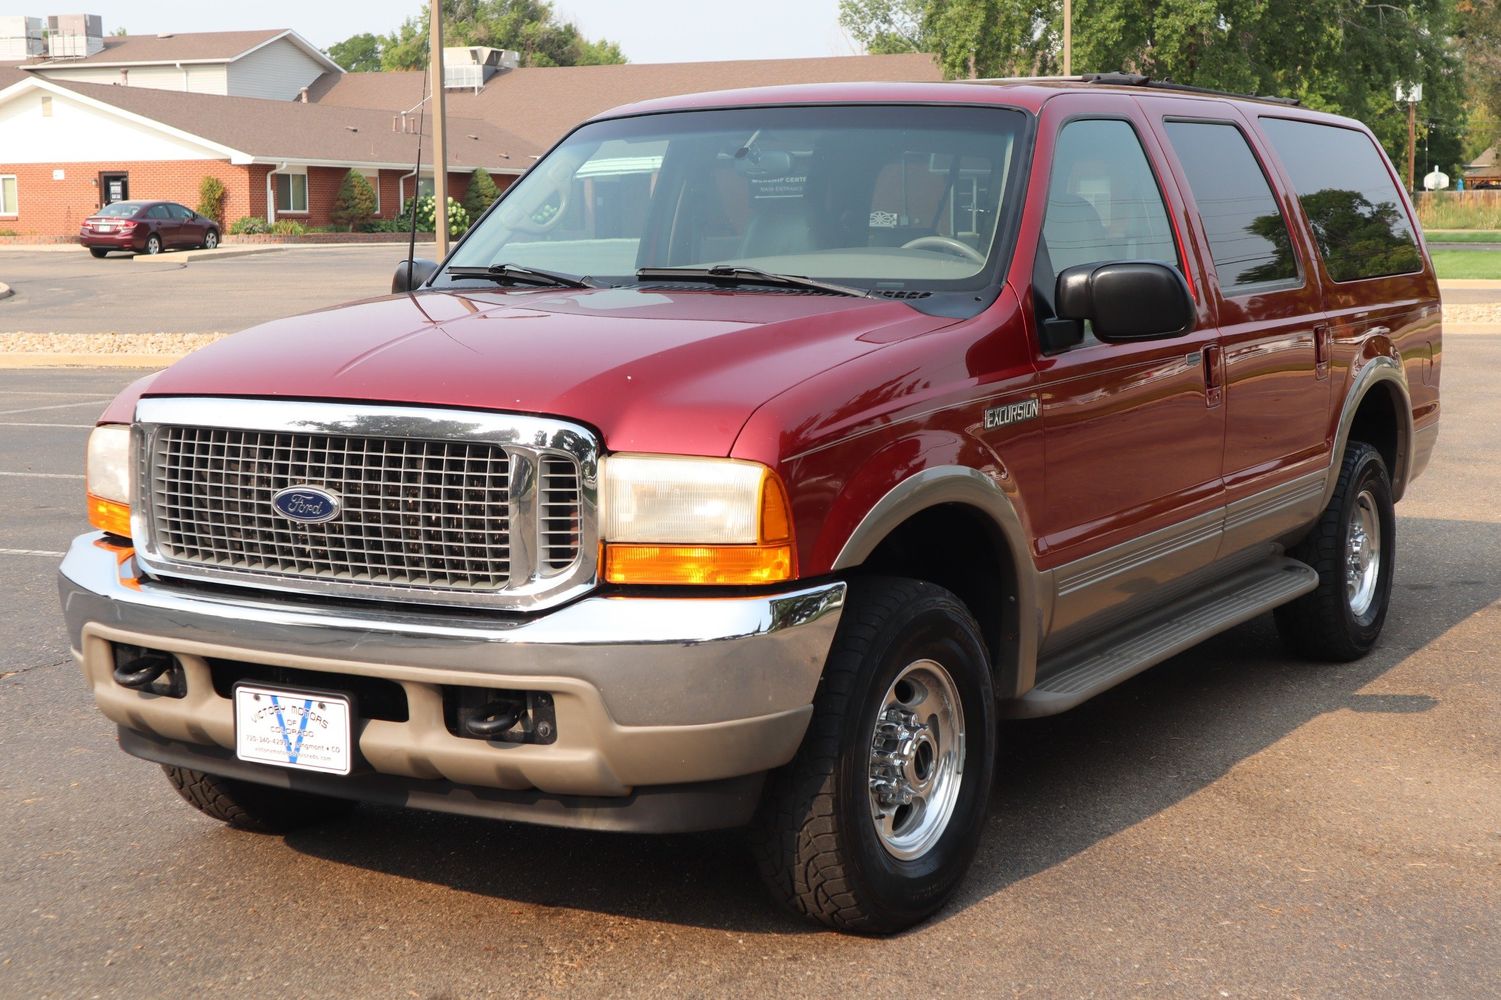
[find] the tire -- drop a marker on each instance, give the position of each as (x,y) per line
(98,251)
(153,244)
(245,805)
(1353,549)
(211,240)
(816,837)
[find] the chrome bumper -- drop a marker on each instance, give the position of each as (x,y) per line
(647,691)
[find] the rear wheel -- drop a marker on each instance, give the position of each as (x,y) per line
(98,251)
(874,823)
(1353,549)
(211,240)
(249,806)
(153,244)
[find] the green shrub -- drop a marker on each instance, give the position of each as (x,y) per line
(458,219)
(288,227)
(355,203)
(481,194)
(211,198)
(9,232)
(248,225)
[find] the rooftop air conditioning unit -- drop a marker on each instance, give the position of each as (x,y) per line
(74,36)
(21,38)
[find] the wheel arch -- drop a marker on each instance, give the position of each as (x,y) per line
(910,531)
(1377,410)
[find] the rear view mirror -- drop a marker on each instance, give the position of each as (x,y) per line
(419,271)
(1126,300)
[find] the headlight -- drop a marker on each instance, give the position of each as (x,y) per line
(108,479)
(667,519)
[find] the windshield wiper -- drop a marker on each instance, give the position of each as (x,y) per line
(519,275)
(731,274)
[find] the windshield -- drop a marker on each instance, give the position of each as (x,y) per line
(879,197)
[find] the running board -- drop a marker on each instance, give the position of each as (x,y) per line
(1076,675)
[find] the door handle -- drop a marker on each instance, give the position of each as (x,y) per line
(1214,375)
(1323,347)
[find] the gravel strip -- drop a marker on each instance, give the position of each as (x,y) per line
(163,344)
(1464,315)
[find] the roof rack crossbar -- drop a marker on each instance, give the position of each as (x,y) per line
(1137,80)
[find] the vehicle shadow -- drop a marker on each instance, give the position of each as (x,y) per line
(1064,783)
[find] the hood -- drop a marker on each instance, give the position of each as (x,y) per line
(652,370)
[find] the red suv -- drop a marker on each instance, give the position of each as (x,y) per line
(757,454)
(146,227)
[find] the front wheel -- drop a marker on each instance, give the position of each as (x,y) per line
(211,241)
(249,806)
(874,823)
(1354,549)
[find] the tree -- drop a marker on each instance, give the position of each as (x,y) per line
(1345,56)
(481,194)
(211,198)
(1479,24)
(529,27)
(354,205)
(357,53)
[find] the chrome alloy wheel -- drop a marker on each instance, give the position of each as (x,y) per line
(916,760)
(1362,554)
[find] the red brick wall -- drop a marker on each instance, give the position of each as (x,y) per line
(47,207)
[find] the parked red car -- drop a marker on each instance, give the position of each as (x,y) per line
(146,227)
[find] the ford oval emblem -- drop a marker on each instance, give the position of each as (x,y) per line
(307,504)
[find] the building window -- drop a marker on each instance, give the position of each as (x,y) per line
(373,176)
(291,193)
(7,194)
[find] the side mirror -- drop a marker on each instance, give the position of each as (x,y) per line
(421,270)
(1126,300)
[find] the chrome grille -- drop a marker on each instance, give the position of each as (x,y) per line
(558,512)
(441,506)
(415,513)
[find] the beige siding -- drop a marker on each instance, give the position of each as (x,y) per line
(277,72)
(200,78)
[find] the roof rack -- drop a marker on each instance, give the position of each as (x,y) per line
(1121,79)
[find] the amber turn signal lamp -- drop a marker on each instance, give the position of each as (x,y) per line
(110,516)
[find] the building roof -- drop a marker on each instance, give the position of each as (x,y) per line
(1486,164)
(187,47)
(251,129)
(540,104)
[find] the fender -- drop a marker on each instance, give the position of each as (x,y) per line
(1377,369)
(949,484)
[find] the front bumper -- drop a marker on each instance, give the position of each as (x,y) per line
(647,691)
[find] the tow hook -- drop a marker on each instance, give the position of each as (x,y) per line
(494,718)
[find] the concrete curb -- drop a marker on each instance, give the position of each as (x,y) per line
(16,359)
(5,291)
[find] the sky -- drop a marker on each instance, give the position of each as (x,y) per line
(647,30)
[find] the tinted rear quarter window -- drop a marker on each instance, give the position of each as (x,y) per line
(1349,198)
(1248,237)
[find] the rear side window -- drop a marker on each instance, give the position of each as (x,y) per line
(1349,197)
(1248,237)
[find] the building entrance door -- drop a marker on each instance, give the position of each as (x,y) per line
(114,187)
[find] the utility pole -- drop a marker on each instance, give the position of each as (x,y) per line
(1412,145)
(440,128)
(1068,37)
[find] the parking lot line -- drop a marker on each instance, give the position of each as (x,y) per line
(55,406)
(44,475)
(65,395)
(30,552)
(16,423)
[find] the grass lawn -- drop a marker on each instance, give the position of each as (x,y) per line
(1467,263)
(1463,235)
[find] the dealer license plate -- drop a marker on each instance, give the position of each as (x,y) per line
(307,731)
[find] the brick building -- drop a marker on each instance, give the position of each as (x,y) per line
(96,119)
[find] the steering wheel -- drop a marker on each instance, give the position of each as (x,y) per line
(947,243)
(531,225)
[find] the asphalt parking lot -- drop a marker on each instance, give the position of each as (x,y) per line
(1234,823)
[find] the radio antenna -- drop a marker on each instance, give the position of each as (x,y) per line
(417,180)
